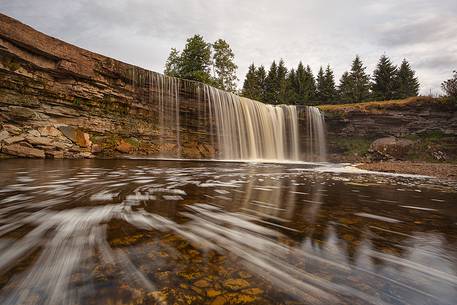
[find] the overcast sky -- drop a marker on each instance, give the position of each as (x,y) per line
(317,32)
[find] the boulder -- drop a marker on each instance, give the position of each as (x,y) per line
(23,151)
(124,147)
(96,148)
(390,148)
(56,154)
(76,135)
(4,135)
(34,133)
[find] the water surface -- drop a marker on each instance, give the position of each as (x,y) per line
(156,232)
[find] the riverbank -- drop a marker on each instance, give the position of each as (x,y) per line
(439,170)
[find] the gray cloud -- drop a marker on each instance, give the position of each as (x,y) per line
(318,32)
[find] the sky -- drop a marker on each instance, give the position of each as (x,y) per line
(316,32)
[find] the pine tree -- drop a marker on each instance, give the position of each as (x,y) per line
(360,81)
(407,82)
(320,86)
(195,60)
(251,87)
(330,87)
(224,67)
(384,80)
(173,64)
(292,88)
(282,82)
(345,88)
(309,86)
(272,85)
(261,76)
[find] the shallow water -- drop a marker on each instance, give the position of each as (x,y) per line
(157,232)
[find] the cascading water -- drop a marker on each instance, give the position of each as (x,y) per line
(316,148)
(238,128)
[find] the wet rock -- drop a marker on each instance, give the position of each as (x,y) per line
(22,112)
(211,293)
(236,284)
(23,151)
(55,154)
(220,300)
(124,147)
(252,291)
(15,139)
(390,148)
(202,283)
(49,131)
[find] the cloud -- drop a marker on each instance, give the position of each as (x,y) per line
(317,32)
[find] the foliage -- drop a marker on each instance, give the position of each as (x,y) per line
(224,67)
(358,81)
(384,80)
(326,90)
(254,83)
(450,87)
(199,58)
(407,82)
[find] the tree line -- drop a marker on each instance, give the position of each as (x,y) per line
(201,61)
(300,86)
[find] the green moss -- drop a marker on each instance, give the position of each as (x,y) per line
(354,146)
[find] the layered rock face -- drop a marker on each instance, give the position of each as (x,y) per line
(420,128)
(60,101)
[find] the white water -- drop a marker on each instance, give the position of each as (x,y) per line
(238,128)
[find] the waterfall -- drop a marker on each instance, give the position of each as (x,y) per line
(237,128)
(316,148)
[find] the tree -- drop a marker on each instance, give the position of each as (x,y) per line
(346,87)
(224,67)
(384,80)
(450,87)
(326,90)
(261,78)
(173,64)
(305,84)
(250,85)
(360,81)
(292,88)
(282,82)
(196,60)
(407,83)
(272,84)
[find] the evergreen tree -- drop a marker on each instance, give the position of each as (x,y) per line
(305,84)
(195,60)
(320,86)
(173,64)
(346,87)
(384,80)
(309,86)
(407,82)
(282,82)
(326,90)
(292,88)
(272,85)
(261,76)
(360,81)
(251,86)
(224,67)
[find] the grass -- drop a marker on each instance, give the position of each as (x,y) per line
(379,106)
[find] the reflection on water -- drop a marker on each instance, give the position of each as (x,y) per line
(150,232)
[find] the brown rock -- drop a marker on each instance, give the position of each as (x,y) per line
(12,129)
(14,139)
(76,135)
(55,154)
(124,147)
(4,135)
(22,112)
(49,131)
(39,140)
(34,133)
(390,148)
(23,151)
(236,284)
